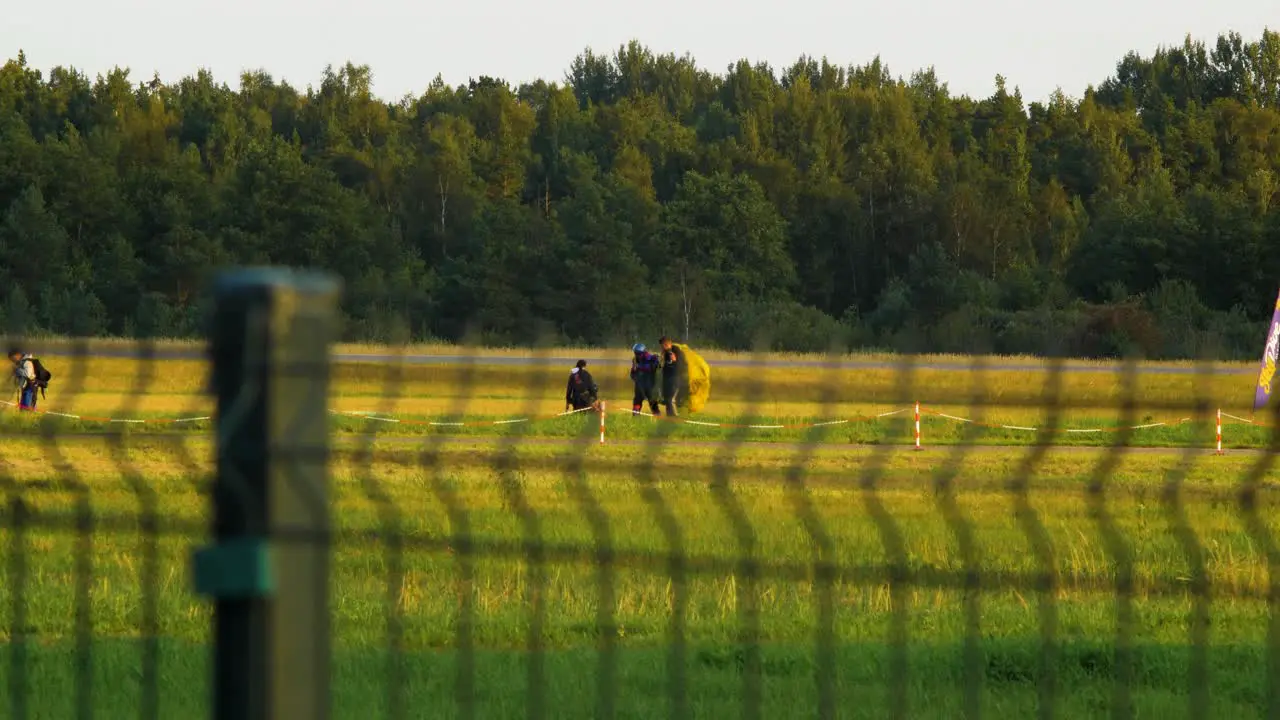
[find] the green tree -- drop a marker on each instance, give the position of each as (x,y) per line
(644,194)
(728,233)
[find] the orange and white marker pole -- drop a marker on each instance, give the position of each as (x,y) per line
(1219,431)
(917,425)
(602,408)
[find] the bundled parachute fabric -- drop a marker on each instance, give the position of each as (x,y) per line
(697,379)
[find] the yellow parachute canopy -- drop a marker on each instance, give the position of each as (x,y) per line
(697,379)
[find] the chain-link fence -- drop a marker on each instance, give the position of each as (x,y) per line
(266,528)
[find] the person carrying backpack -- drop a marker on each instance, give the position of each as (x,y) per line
(29,375)
(644,373)
(582,391)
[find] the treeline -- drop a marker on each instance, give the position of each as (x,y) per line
(798,208)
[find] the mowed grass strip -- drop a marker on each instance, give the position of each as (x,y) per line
(643,505)
(858,426)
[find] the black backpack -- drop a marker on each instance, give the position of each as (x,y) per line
(43,376)
(585,386)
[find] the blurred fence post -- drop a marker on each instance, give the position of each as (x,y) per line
(268,569)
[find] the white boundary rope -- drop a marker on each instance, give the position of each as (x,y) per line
(371,415)
(920,413)
(124,421)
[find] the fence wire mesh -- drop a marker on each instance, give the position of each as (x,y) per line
(769,557)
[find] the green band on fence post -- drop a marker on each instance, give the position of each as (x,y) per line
(267,570)
(234,569)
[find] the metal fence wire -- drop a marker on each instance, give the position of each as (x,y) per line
(265,527)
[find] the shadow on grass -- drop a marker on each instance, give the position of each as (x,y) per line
(1086,674)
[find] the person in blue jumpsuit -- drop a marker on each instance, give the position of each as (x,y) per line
(644,373)
(25,378)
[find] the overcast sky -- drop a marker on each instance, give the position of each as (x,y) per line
(1037,46)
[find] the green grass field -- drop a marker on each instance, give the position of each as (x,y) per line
(510,597)
(161,390)
(547,635)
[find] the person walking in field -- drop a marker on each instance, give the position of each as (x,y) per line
(672,365)
(582,391)
(644,373)
(29,376)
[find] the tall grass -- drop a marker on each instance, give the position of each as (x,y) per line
(559,604)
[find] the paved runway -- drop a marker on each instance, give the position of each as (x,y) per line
(622,358)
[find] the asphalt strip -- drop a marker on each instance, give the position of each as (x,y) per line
(622,358)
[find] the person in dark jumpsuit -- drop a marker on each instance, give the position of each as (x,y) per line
(672,366)
(582,391)
(644,373)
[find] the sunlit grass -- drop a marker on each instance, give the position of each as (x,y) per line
(118,387)
(1184,405)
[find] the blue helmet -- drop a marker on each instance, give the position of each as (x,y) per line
(637,348)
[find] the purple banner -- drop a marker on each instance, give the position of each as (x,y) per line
(1270,357)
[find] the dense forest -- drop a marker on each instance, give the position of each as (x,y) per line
(789,209)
